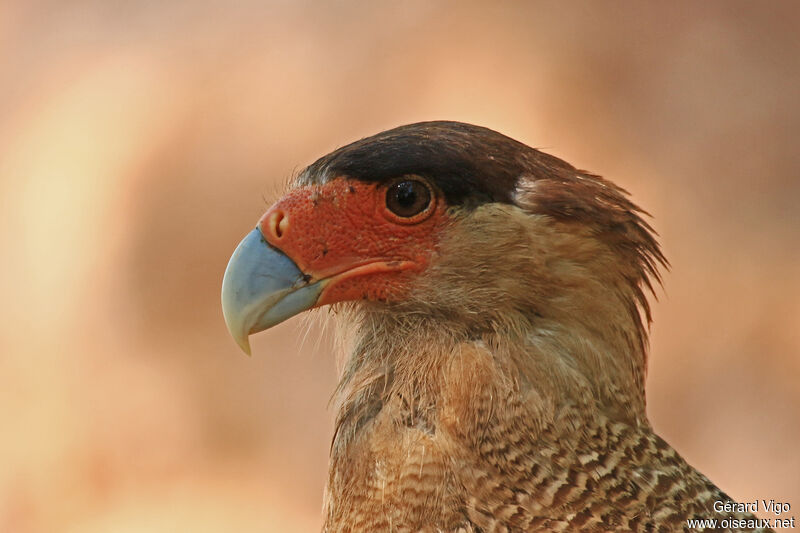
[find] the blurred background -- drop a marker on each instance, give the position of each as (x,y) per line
(140,141)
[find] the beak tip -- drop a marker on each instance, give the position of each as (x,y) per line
(238,330)
(244,344)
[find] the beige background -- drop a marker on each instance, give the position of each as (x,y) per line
(139,141)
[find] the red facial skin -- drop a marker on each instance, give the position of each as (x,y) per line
(343,230)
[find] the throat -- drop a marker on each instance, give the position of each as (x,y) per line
(407,358)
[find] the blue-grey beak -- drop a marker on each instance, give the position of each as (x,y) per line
(263,287)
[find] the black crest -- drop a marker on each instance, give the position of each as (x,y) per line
(470,164)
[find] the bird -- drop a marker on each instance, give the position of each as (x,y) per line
(495,305)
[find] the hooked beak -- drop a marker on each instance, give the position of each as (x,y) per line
(262,287)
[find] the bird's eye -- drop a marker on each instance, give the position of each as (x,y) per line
(408,197)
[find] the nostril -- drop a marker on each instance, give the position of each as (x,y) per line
(278,223)
(283,225)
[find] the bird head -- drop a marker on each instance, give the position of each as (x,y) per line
(453,229)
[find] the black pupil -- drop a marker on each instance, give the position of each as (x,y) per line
(408,198)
